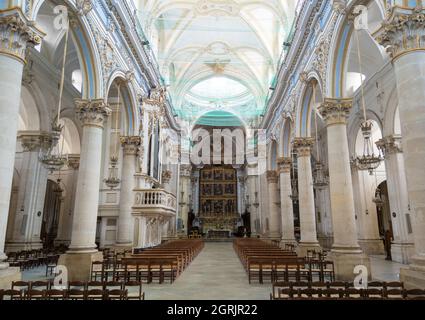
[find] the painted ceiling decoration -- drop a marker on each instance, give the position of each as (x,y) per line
(217,55)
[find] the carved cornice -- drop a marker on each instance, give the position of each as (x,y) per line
(92,112)
(16,33)
(403,31)
(335,111)
(303,146)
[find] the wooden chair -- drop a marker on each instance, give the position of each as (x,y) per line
(337,285)
(54,294)
(12,294)
(393,285)
(328,270)
(374,294)
(76,294)
(333,294)
(22,286)
(36,294)
(117,294)
(97,271)
(134,290)
(92,285)
(414,294)
(77,285)
(113,285)
(40,285)
(96,294)
(394,294)
(284,294)
(354,294)
(375,285)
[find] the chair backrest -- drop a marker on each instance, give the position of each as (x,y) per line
(20,285)
(333,293)
(414,293)
(117,294)
(96,294)
(55,294)
(76,294)
(95,285)
(337,285)
(394,285)
(394,294)
(36,294)
(374,293)
(77,285)
(40,285)
(114,285)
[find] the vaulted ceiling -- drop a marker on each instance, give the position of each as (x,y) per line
(217,54)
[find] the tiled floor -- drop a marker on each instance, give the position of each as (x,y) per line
(217,274)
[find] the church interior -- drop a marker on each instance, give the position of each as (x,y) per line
(269,150)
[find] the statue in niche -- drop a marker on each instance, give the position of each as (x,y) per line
(218,190)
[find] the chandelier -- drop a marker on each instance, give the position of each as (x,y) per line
(320,179)
(368,161)
(294,183)
(53,159)
(113,181)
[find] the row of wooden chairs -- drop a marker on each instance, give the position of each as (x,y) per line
(265,261)
(60,294)
(33,258)
(161,264)
(342,290)
(30,290)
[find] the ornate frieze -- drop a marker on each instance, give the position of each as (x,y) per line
(84,6)
(92,112)
(403,31)
(335,111)
(303,146)
(16,33)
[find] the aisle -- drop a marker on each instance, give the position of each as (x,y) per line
(216,274)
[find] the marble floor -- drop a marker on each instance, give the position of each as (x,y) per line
(217,274)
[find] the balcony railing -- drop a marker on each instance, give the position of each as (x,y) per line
(154,201)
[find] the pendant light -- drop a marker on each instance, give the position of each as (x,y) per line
(113,181)
(368,161)
(320,180)
(53,159)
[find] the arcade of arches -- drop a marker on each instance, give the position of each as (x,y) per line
(109,129)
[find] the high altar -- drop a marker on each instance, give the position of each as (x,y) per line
(218,201)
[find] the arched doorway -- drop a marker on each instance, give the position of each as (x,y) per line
(51,214)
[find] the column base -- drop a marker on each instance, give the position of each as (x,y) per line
(60,242)
(123,246)
(325,241)
(17,246)
(345,260)
(402,252)
(413,276)
(303,247)
(8,275)
(79,264)
(372,246)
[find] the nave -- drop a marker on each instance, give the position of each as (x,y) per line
(217,274)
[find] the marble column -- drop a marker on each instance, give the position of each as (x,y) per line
(273,201)
(31,195)
(65,219)
(125,225)
(287,210)
(16,32)
(252,202)
(346,252)
(402,246)
(303,147)
(83,250)
(402,34)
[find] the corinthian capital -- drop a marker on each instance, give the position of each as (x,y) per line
(303,146)
(131,144)
(92,112)
(272,176)
(284,164)
(335,111)
(403,30)
(16,33)
(390,145)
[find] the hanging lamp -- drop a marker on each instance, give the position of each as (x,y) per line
(368,161)
(113,181)
(320,180)
(53,159)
